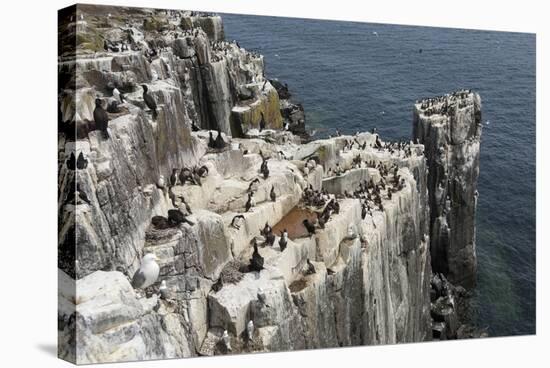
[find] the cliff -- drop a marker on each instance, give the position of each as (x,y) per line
(450,129)
(372,283)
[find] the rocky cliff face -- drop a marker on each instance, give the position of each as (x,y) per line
(372,256)
(450,129)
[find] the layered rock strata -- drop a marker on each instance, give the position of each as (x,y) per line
(450,129)
(373,269)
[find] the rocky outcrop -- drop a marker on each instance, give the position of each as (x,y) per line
(450,129)
(372,258)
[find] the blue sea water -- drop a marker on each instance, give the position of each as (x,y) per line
(355,76)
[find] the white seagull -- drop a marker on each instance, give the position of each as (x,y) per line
(148,272)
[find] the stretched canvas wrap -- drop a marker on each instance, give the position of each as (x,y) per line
(234,184)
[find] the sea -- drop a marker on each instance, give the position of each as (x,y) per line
(356,76)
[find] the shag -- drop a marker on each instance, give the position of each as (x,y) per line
(257,261)
(101,118)
(250,202)
(283,241)
(81,162)
(71,162)
(174,177)
(310,268)
(309,227)
(262,122)
(272,194)
(149,101)
(219,143)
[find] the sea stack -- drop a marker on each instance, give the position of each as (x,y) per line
(449,127)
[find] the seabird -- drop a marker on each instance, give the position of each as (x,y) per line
(283,241)
(81,162)
(194,126)
(174,177)
(235,221)
(378,143)
(101,118)
(185,205)
(309,227)
(270,238)
(211,142)
(310,268)
(257,261)
(250,330)
(149,101)
(250,203)
(161,183)
(253,186)
(261,297)
(163,290)
(118,96)
(203,171)
(226,340)
(176,217)
(71,162)
(262,122)
(266,230)
(147,273)
(160,222)
(272,194)
(219,142)
(265,170)
(184,175)
(218,285)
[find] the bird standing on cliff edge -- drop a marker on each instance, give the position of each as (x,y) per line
(101,118)
(148,272)
(149,101)
(262,122)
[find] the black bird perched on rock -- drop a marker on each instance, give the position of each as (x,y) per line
(321,221)
(176,217)
(266,229)
(211,142)
(363,212)
(236,219)
(101,118)
(149,101)
(272,194)
(218,285)
(219,143)
(262,122)
(71,162)
(264,169)
(161,222)
(283,241)
(194,127)
(310,268)
(81,162)
(257,261)
(378,143)
(184,175)
(270,238)
(309,227)
(173,180)
(186,205)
